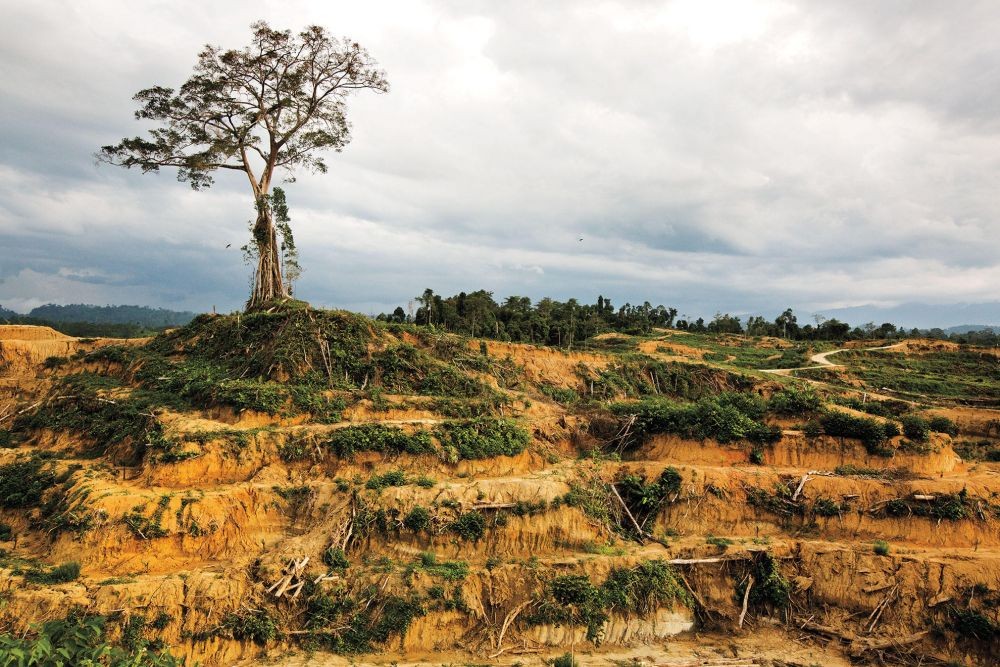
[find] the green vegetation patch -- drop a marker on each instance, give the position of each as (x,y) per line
(727,417)
(479,438)
(379,438)
(76,640)
(965,375)
(637,375)
(573,599)
(59,574)
(872,433)
(361,623)
(84,408)
(482,438)
(770,588)
(257,626)
(794,401)
(950,506)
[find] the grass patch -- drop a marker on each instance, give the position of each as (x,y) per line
(451,570)
(60,574)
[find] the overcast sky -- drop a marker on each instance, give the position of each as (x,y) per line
(736,156)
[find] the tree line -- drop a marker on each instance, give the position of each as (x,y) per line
(569,323)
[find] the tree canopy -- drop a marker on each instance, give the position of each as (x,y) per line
(275,104)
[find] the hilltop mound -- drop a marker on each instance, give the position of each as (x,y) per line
(29,332)
(305,479)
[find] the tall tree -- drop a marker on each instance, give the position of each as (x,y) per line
(271,105)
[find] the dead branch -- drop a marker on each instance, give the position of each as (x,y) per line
(628,512)
(746,600)
(802,483)
(861,644)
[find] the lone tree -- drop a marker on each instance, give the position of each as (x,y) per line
(273,104)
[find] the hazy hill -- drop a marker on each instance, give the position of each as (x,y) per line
(143,316)
(923,315)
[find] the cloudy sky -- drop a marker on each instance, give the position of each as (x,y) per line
(712,155)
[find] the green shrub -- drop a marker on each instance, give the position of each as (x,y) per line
(941,424)
(23,482)
(756,456)
(747,403)
(916,428)
(483,438)
(60,574)
(951,506)
(378,438)
(144,527)
(770,587)
(812,429)
(417,519)
(722,543)
(256,626)
(826,507)
(869,431)
(6,439)
(645,500)
(469,526)
(6,532)
(574,600)
(726,418)
(890,428)
(778,502)
(335,558)
(342,625)
(82,409)
(387,479)
(890,409)
(880,547)
(972,624)
(794,401)
(566,396)
(75,640)
(764,434)
(565,660)
(580,602)
(643,589)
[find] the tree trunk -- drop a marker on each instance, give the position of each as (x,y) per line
(267,282)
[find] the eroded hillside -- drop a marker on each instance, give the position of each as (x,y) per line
(305,481)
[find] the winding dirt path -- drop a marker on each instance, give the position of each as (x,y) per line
(820,360)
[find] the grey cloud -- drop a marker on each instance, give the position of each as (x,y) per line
(714,155)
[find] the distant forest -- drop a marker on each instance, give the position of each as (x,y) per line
(112,321)
(517,319)
(568,323)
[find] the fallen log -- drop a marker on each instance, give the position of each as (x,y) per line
(863,644)
(846,637)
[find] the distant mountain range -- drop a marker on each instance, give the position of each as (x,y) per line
(949,317)
(142,316)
